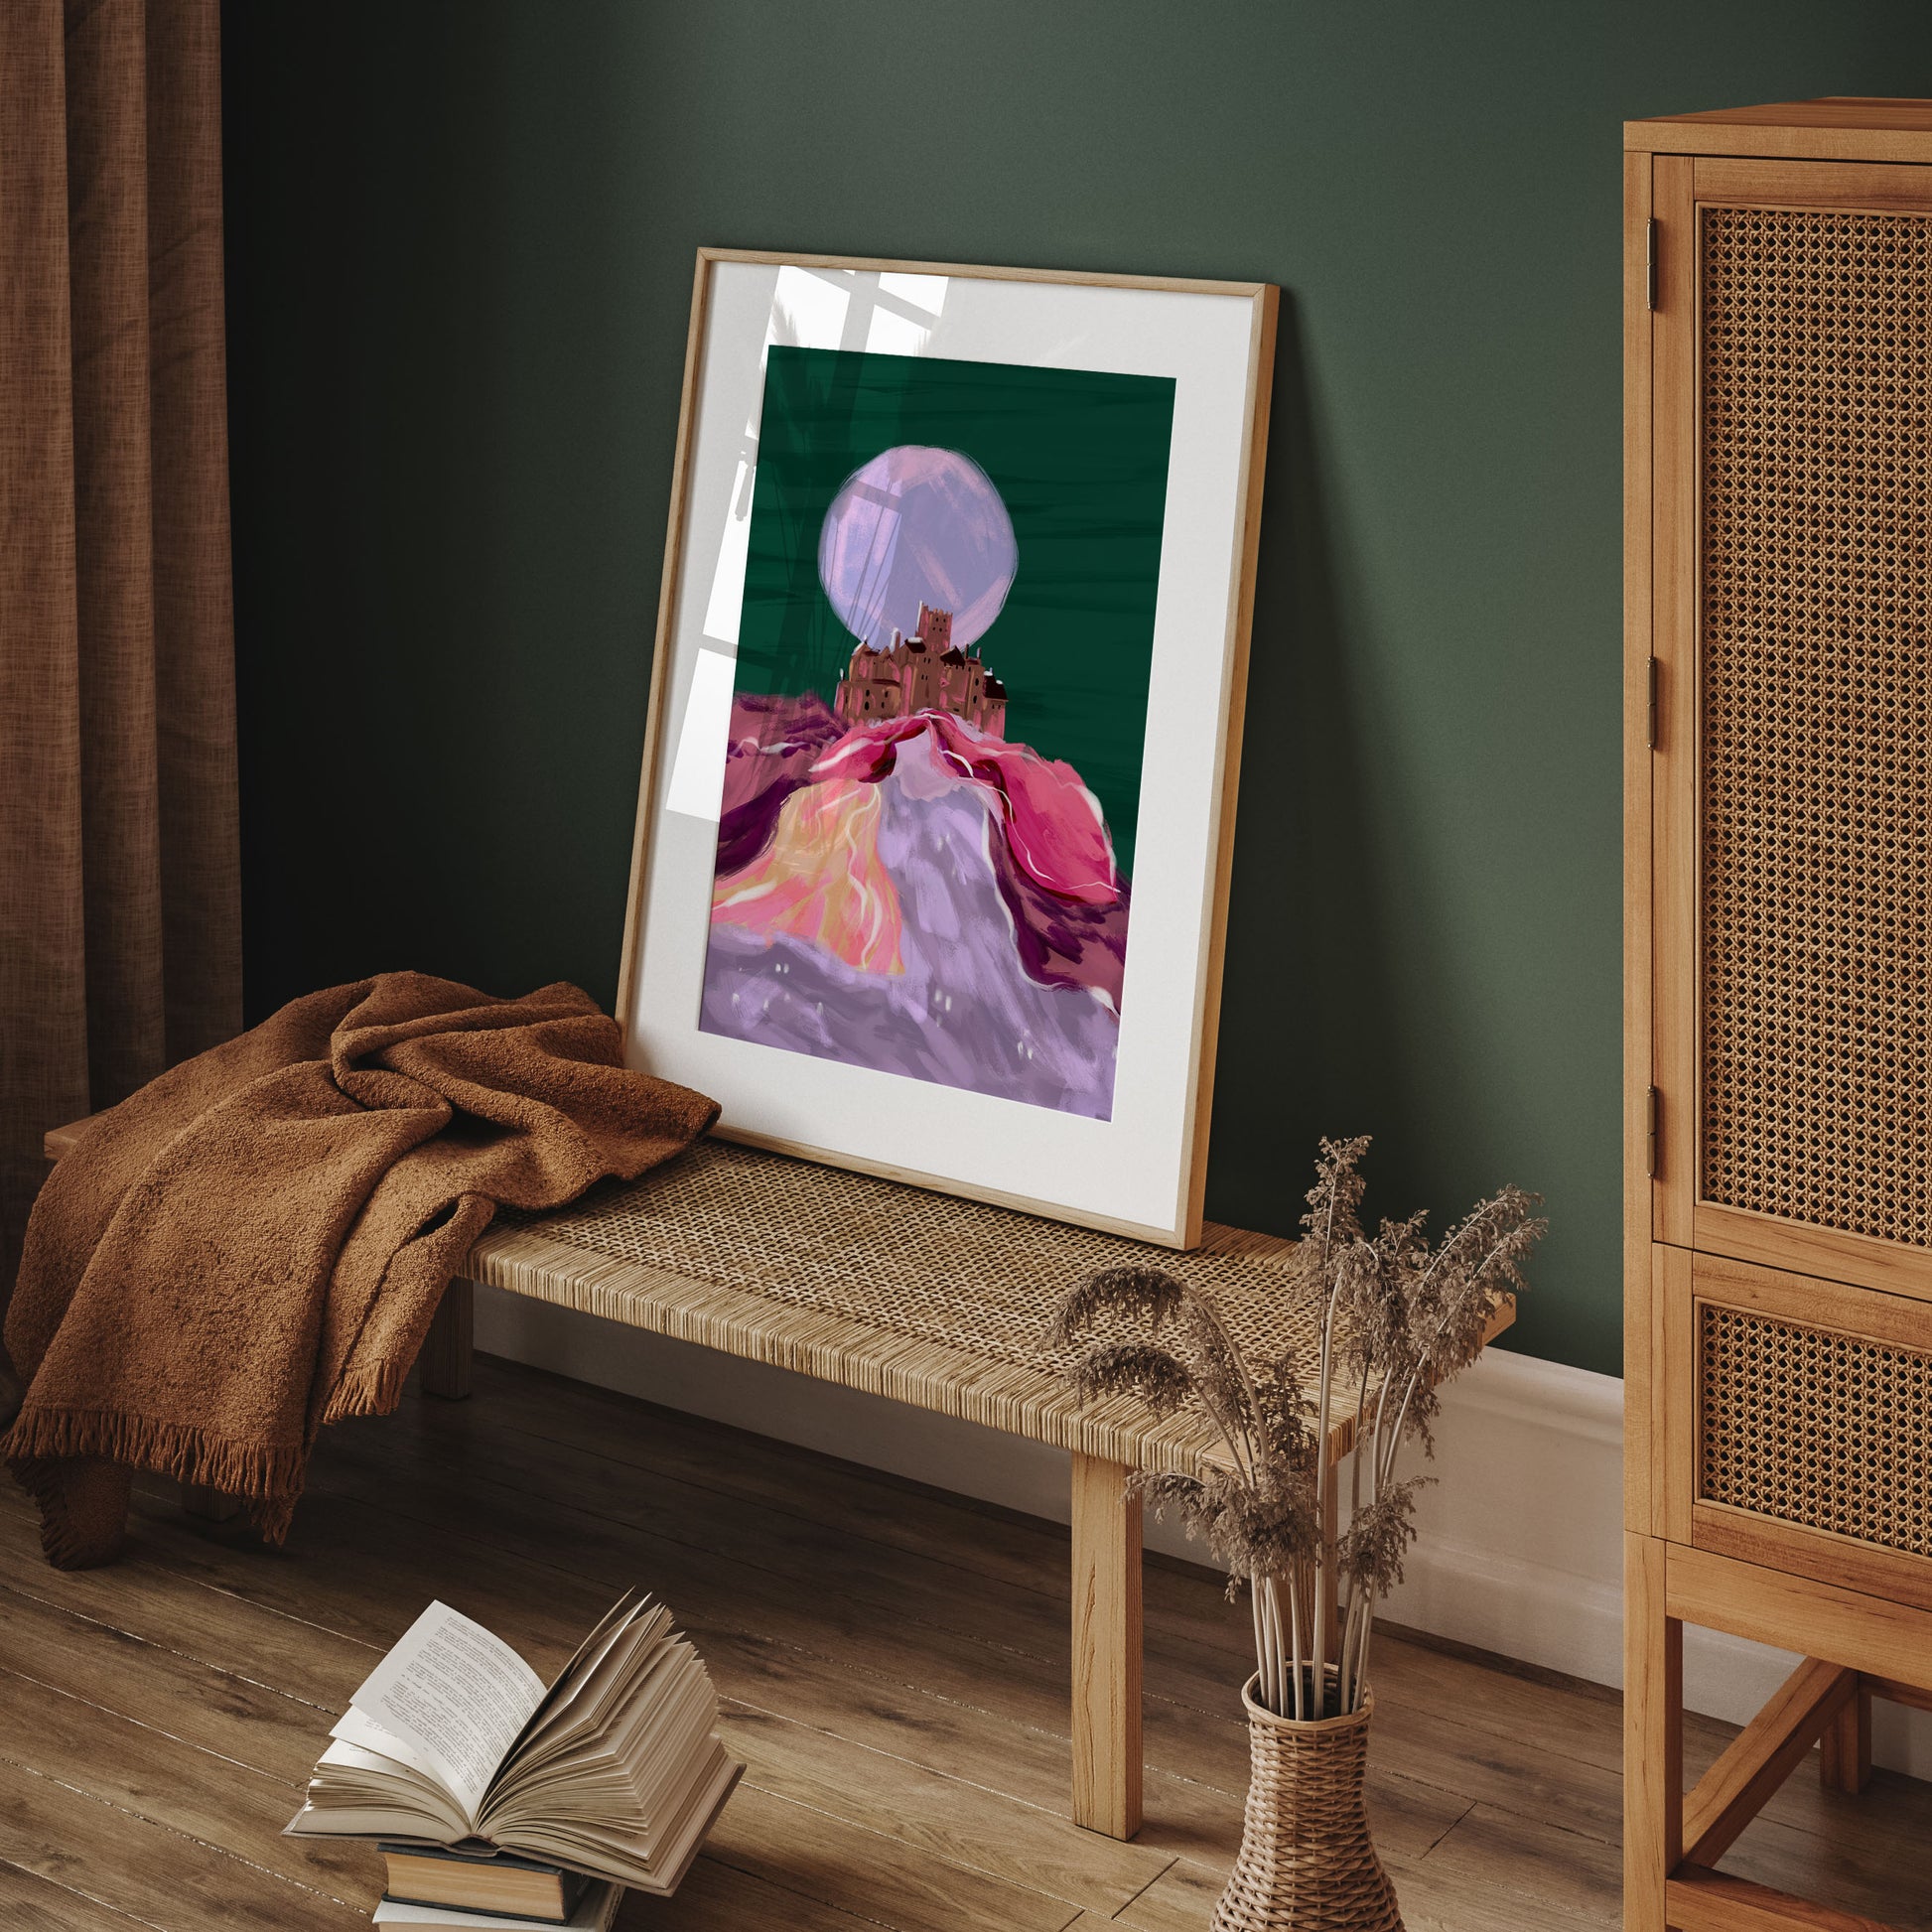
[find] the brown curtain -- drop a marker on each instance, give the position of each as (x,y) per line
(120,929)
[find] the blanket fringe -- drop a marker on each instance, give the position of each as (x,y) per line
(268,1479)
(254,1470)
(274,1516)
(373,1391)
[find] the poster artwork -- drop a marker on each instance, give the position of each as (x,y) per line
(939,727)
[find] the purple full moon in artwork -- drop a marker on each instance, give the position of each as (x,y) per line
(917,525)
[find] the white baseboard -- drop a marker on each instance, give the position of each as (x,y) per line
(1520,1547)
(1520,1543)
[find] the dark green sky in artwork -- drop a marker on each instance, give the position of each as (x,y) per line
(1079,458)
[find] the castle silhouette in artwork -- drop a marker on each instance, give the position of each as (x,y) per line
(924,672)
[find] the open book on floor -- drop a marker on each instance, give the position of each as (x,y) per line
(616,1771)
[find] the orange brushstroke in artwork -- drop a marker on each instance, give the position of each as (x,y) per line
(820,878)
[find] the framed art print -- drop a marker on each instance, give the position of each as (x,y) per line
(937,803)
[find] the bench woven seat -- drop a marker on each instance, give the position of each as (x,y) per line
(936,1302)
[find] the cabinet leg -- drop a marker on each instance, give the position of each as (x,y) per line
(1845,1749)
(1653,1735)
(1106,1648)
(445,1359)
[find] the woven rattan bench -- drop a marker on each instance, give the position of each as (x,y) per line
(931,1300)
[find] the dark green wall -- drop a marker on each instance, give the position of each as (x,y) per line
(460,242)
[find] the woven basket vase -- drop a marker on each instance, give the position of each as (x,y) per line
(1307,1861)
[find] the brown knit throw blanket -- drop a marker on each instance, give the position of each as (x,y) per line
(254,1244)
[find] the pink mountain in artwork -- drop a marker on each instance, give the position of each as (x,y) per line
(918,895)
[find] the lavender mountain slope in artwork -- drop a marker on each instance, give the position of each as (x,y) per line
(920,896)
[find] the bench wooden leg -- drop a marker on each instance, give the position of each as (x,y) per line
(1106,1648)
(209,1505)
(445,1359)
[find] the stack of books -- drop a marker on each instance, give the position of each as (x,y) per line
(501,1803)
(478,1889)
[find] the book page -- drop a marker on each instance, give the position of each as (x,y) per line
(583,1660)
(456,1695)
(602,1669)
(369,1768)
(356,1727)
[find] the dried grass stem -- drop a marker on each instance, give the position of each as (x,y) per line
(1396,1317)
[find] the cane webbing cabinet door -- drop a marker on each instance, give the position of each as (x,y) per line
(1778,964)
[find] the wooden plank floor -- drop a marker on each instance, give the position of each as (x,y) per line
(893,1663)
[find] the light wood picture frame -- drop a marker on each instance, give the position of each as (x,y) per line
(936,813)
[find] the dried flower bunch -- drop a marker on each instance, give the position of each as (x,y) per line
(1398,1319)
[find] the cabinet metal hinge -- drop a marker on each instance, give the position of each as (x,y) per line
(1650,703)
(1650,263)
(1650,1136)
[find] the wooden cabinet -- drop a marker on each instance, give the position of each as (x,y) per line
(1778,970)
